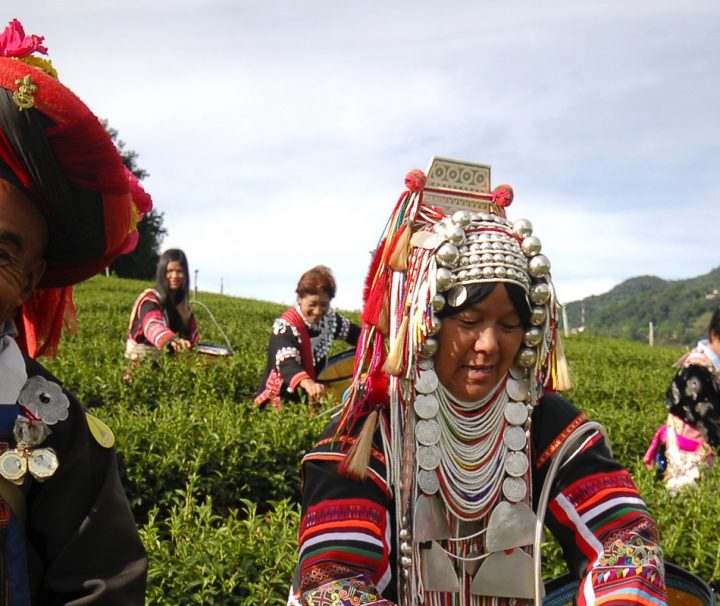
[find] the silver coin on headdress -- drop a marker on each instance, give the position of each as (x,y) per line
(426,406)
(427,432)
(426,381)
(514,438)
(428,481)
(514,489)
(428,457)
(517,389)
(426,363)
(516,413)
(516,464)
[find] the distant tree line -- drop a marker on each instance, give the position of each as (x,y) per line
(679,309)
(141,262)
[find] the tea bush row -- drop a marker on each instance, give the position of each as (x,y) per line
(214,482)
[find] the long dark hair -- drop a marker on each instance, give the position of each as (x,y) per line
(478,292)
(714,326)
(172,254)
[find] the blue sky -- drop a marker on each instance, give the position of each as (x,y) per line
(277,134)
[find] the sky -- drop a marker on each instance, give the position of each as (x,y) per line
(277,133)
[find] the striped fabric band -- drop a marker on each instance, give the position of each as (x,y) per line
(616,533)
(349,532)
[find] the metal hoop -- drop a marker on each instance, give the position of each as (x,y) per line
(557,459)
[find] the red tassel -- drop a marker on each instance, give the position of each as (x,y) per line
(375,300)
(41,319)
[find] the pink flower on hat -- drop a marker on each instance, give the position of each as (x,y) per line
(14,42)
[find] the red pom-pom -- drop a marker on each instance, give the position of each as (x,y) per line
(415,180)
(378,384)
(503,196)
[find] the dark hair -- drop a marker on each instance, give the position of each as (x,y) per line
(714,326)
(172,254)
(315,281)
(478,292)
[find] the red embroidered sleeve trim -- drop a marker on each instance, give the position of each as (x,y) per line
(560,440)
(297,379)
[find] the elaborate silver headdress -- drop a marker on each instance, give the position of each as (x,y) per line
(448,232)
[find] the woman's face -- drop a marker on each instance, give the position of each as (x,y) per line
(175,276)
(314,307)
(477,346)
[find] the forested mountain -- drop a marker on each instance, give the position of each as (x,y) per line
(679,309)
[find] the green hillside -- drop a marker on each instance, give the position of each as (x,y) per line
(680,310)
(214,483)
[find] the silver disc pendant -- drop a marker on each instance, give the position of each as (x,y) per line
(45,400)
(516,464)
(427,432)
(426,381)
(511,525)
(428,457)
(517,372)
(514,489)
(517,389)
(508,575)
(515,438)
(516,413)
(428,481)
(426,406)
(429,520)
(438,573)
(426,363)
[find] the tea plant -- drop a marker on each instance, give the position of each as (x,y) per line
(214,483)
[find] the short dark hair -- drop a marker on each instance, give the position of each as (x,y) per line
(315,281)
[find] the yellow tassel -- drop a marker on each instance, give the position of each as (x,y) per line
(399,253)
(358,457)
(394,363)
(563,380)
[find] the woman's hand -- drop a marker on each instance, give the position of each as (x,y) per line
(315,391)
(178,344)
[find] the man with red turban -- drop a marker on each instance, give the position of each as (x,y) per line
(68,207)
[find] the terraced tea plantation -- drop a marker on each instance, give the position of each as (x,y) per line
(214,483)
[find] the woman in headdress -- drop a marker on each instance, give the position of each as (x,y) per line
(161,316)
(301,339)
(68,208)
(425,490)
(687,443)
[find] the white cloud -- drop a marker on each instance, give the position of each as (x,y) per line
(277,134)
